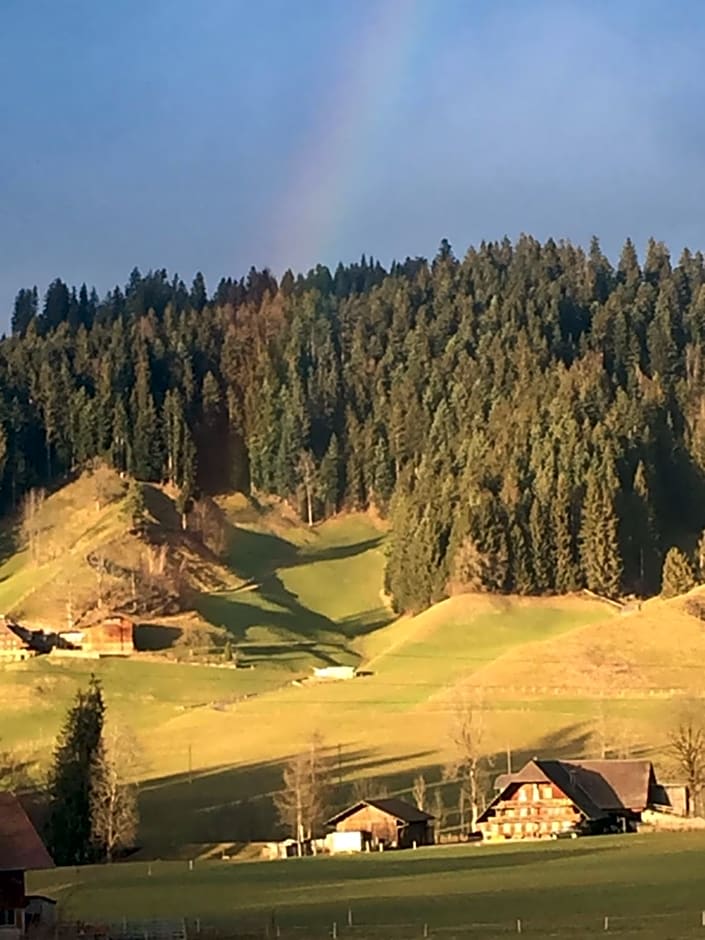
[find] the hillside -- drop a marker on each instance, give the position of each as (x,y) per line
(558,675)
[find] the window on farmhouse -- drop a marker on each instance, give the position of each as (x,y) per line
(547,793)
(7,918)
(523,795)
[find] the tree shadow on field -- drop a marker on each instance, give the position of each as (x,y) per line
(233,803)
(255,555)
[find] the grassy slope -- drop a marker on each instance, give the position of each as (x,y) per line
(554,675)
(648,885)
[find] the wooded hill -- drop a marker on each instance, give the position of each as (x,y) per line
(530,418)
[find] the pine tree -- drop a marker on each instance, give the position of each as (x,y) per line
(567,574)
(599,542)
(134,510)
(69,828)
(677,576)
(329,477)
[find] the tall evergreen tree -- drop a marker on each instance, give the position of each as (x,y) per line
(69,833)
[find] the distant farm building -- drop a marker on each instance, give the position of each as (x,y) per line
(12,647)
(550,797)
(386,823)
(113,636)
(21,850)
(334,672)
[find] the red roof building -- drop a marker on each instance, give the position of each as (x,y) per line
(21,850)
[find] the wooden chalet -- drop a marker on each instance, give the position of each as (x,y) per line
(549,797)
(21,850)
(12,647)
(386,823)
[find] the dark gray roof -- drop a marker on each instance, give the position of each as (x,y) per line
(399,809)
(596,787)
(21,849)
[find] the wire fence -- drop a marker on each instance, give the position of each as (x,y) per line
(676,925)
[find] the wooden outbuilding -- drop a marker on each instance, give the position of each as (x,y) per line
(389,823)
(21,850)
(551,797)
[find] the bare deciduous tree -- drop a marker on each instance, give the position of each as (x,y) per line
(368,788)
(439,811)
(207,520)
(419,791)
(31,525)
(471,764)
(303,802)
(687,745)
(114,812)
(307,472)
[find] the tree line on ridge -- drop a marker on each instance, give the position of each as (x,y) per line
(529,418)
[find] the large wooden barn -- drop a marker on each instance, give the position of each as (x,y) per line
(389,823)
(549,797)
(21,850)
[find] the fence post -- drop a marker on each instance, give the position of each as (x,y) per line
(334,932)
(518,925)
(607,923)
(350,917)
(425,930)
(702,919)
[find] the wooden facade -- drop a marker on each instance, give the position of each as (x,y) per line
(530,811)
(389,823)
(549,797)
(11,646)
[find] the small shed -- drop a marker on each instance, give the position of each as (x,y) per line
(113,636)
(390,823)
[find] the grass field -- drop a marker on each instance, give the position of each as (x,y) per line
(561,677)
(648,886)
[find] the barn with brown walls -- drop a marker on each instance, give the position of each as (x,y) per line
(390,823)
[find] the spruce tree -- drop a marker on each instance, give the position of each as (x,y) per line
(677,576)
(69,827)
(599,542)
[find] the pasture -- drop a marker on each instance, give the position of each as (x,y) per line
(648,886)
(557,676)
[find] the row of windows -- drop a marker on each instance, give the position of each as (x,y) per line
(8,918)
(508,829)
(545,791)
(524,811)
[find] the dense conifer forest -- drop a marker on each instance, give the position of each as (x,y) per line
(529,418)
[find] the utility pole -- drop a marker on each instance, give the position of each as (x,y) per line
(509,760)
(190,765)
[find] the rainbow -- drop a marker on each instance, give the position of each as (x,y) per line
(333,164)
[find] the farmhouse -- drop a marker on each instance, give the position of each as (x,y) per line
(12,647)
(548,797)
(386,823)
(21,850)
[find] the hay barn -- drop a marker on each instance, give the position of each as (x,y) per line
(390,823)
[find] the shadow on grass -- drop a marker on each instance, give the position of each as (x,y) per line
(150,637)
(235,803)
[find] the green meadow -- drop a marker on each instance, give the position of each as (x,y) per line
(559,676)
(647,886)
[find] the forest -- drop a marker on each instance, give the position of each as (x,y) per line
(529,418)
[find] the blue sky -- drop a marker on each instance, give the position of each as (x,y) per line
(217,134)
